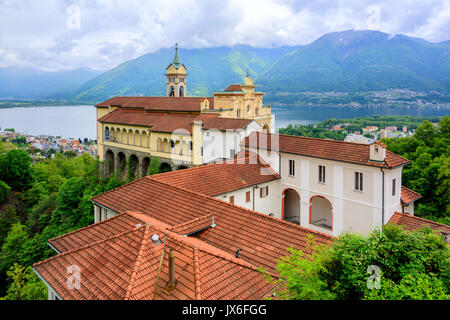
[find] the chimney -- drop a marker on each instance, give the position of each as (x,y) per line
(377,151)
(172,282)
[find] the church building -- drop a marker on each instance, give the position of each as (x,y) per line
(180,130)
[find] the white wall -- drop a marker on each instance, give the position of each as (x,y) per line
(269,204)
(218,144)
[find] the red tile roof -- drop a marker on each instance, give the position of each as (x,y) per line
(262,239)
(321,148)
(234,87)
(409,195)
(94,232)
(410,222)
(218,178)
(191,104)
(130,266)
(163,122)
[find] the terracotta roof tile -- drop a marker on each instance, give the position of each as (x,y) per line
(234,87)
(262,239)
(164,122)
(410,222)
(131,266)
(409,195)
(321,148)
(192,104)
(247,169)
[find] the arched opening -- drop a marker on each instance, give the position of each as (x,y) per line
(238,113)
(183,148)
(249,109)
(109,162)
(321,212)
(134,165)
(144,139)
(266,128)
(106,134)
(137,138)
(172,91)
(124,136)
(165,145)
(159,145)
(165,167)
(122,163)
(181,91)
(291,206)
(182,167)
(112,135)
(145,166)
(130,137)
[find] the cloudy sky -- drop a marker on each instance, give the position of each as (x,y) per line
(99,34)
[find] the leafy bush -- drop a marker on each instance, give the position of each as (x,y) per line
(412,265)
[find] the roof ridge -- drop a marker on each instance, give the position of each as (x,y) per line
(188,222)
(137,263)
(411,190)
(229,257)
(87,227)
(198,291)
(87,246)
(248,210)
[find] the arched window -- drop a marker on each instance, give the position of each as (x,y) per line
(159,145)
(107,134)
(238,113)
(248,109)
(172,91)
(181,91)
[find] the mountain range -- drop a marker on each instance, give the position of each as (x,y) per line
(347,61)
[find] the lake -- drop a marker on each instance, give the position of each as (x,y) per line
(79,121)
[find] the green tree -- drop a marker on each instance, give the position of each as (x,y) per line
(5,191)
(340,271)
(7,219)
(13,247)
(16,169)
(25,285)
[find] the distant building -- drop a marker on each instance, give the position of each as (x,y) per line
(391,128)
(405,129)
(370,129)
(336,128)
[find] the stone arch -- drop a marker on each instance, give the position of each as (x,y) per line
(165,145)
(172,91)
(321,212)
(121,162)
(181,93)
(134,166)
(109,162)
(165,167)
(145,166)
(290,206)
(266,128)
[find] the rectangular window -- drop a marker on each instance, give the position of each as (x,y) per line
(322,174)
(107,135)
(232,153)
(264,192)
(291,168)
(247,196)
(232,199)
(358,181)
(393,186)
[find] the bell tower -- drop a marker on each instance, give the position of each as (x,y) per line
(176,77)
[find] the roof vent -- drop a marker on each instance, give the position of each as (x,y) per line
(138,225)
(237,252)
(155,239)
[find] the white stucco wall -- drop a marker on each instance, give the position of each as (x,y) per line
(218,144)
(267,205)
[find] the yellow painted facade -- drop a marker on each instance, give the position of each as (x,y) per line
(181,147)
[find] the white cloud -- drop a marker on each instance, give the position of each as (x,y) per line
(36,33)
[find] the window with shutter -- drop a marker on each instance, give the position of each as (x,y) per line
(247,196)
